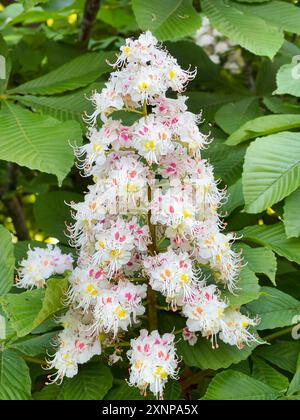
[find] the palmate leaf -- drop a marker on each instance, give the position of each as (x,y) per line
(288,79)
(29,309)
(260,260)
(284,354)
(169,19)
(34,344)
(36,141)
(295,382)
(263,372)
(243,111)
(274,237)
(291,217)
(71,106)
(266,183)
(274,308)
(279,13)
(202,355)
(231,385)
(262,126)
(251,32)
(91,383)
(79,72)
(248,289)
(7,261)
(15,383)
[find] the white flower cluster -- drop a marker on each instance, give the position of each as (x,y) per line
(150,186)
(153,360)
(219,48)
(40,264)
(77,344)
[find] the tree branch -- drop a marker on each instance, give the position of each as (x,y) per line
(13,204)
(91,8)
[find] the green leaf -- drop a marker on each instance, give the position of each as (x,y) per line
(235,197)
(15,383)
(291,217)
(231,385)
(250,31)
(52,214)
(123,392)
(5,65)
(71,106)
(243,111)
(288,79)
(227,162)
(261,260)
(50,392)
(172,390)
(34,345)
(202,355)
(261,126)
(91,383)
(209,103)
(265,373)
(277,106)
(53,300)
(37,142)
(274,237)
(264,183)
(126,392)
(168,19)
(248,289)
(295,382)
(7,261)
(284,355)
(29,309)
(79,72)
(279,13)
(274,308)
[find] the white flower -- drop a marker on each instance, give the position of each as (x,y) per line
(86,285)
(152,359)
(118,306)
(152,139)
(76,345)
(189,336)
(173,275)
(218,47)
(204,312)
(235,329)
(214,247)
(40,264)
(174,207)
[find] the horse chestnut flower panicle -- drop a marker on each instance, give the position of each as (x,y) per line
(40,264)
(149,222)
(153,360)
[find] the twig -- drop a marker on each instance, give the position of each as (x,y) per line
(91,9)
(278,334)
(13,204)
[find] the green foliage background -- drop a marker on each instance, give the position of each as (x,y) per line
(254,118)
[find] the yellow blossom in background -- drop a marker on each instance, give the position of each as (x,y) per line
(270,211)
(261,222)
(50,22)
(1,7)
(72,18)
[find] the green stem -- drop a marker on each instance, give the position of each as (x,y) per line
(145,108)
(137,279)
(35,360)
(121,344)
(278,334)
